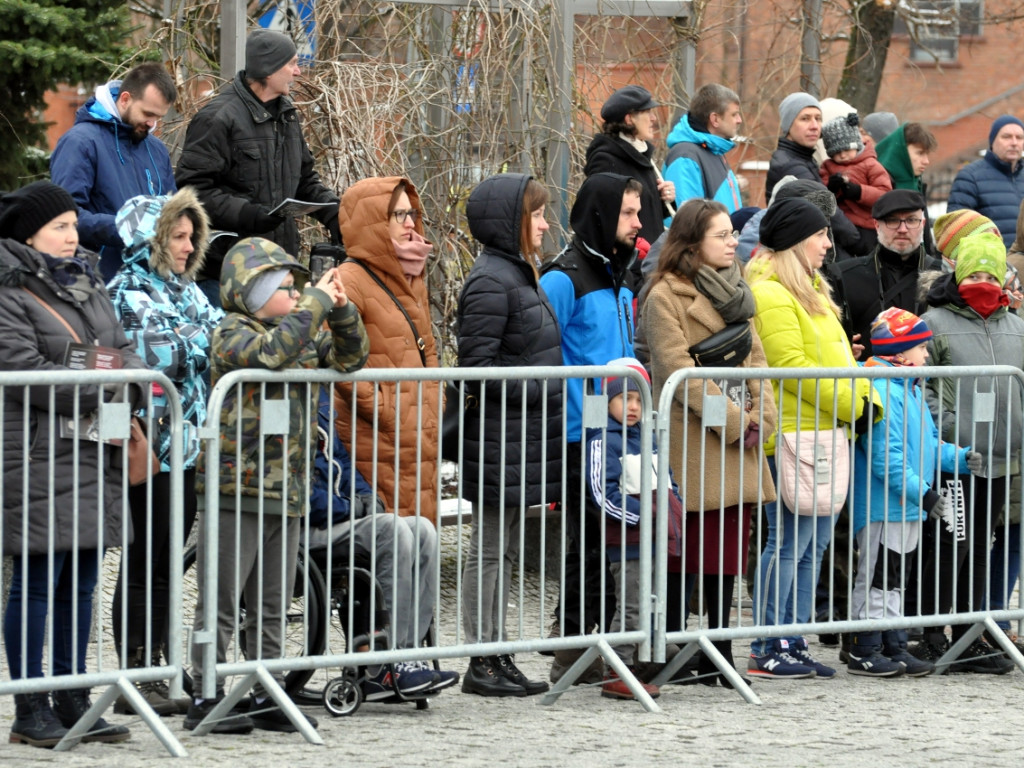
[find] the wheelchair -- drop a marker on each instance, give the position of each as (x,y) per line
(309,626)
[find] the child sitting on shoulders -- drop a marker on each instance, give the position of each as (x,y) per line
(853,174)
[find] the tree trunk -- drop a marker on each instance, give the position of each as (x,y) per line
(870,35)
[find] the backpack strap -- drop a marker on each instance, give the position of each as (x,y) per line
(420,344)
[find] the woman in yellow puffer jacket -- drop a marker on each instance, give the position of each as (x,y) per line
(798,323)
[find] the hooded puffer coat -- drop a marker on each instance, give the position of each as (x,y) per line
(411,488)
(167,318)
(60,484)
(505,320)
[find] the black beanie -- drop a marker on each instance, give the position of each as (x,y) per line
(266,52)
(789,221)
(25,211)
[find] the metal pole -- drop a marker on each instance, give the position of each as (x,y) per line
(810,49)
(232,37)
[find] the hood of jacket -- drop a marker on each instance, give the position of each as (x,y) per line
(595,217)
(363,217)
(683,131)
(495,211)
(145,224)
(102,108)
(892,154)
(243,262)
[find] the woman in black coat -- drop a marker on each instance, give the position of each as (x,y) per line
(505,320)
(60,495)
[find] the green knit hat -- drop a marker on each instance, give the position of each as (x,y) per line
(981,252)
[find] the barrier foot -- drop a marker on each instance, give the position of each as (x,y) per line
(284,701)
(627,676)
(104,701)
(951,655)
(1005,644)
(225,705)
(676,663)
(570,675)
(728,671)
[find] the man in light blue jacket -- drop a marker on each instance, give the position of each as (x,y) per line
(697,146)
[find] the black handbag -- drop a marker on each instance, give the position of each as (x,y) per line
(725,349)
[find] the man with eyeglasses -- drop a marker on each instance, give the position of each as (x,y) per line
(994,185)
(888,276)
(245,154)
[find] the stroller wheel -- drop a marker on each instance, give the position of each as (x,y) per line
(342,696)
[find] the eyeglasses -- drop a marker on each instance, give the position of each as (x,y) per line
(402,214)
(723,236)
(292,290)
(912,222)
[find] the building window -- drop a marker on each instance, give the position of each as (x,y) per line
(935,27)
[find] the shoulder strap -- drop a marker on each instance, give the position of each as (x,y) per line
(46,305)
(420,344)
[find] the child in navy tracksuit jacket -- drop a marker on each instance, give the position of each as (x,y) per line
(613,485)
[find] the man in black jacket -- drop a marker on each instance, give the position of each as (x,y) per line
(888,276)
(244,153)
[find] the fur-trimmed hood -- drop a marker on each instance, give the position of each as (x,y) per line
(145,223)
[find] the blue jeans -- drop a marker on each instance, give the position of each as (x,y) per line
(792,554)
(1001,584)
(68,649)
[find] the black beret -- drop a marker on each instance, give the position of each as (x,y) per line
(898,200)
(632,98)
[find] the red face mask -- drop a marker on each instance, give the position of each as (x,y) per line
(984,298)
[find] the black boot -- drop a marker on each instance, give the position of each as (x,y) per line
(34,721)
(509,669)
(894,646)
(484,678)
(71,704)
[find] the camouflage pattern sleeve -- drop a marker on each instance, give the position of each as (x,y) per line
(347,347)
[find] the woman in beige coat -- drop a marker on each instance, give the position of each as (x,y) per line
(697,291)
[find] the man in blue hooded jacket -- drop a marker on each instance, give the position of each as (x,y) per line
(110,155)
(697,146)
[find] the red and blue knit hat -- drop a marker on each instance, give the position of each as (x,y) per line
(896,330)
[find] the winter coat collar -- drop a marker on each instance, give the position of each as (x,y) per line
(1003,167)
(684,131)
(257,110)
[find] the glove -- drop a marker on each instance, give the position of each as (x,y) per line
(975,463)
(836,183)
(258,220)
(867,416)
(851,190)
(943,510)
(752,437)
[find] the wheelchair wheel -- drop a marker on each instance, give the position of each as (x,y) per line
(306,618)
(342,696)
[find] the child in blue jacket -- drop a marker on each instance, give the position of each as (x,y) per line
(894,491)
(613,484)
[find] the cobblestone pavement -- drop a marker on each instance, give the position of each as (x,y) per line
(954,720)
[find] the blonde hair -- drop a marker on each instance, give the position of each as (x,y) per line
(812,292)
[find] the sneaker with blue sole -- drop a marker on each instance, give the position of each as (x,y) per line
(404,677)
(778,664)
(801,652)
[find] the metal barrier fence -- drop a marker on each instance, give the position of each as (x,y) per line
(65,488)
(956,581)
(255,414)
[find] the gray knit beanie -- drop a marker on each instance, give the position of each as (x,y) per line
(790,108)
(266,52)
(880,124)
(841,134)
(262,287)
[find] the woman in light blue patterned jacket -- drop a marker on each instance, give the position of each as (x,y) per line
(170,322)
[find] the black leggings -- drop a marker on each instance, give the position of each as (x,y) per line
(138,565)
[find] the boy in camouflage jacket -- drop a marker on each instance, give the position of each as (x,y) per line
(270,324)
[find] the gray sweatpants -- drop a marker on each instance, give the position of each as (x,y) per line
(261,582)
(403,556)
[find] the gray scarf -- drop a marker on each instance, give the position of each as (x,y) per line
(727,291)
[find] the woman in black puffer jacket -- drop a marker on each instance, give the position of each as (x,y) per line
(505,320)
